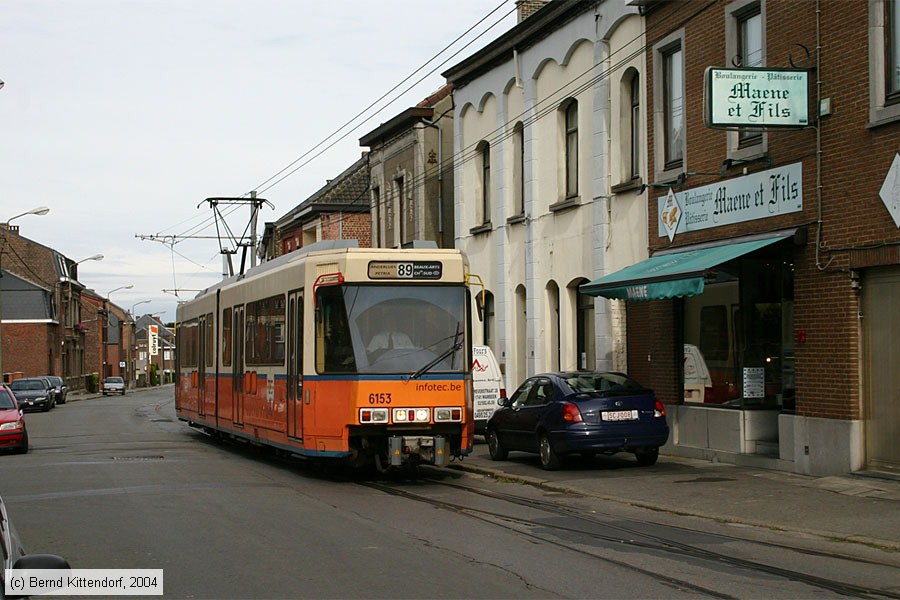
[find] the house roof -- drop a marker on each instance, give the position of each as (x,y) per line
(24,300)
(344,193)
(406,119)
(524,35)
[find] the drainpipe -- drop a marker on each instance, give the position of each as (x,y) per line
(440,175)
(819,218)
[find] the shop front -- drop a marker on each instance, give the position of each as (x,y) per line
(733,304)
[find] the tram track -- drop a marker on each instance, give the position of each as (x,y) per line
(632,537)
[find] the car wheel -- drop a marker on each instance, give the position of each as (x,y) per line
(646,456)
(550,460)
(23,449)
(498,452)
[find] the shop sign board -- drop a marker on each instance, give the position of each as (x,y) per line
(754,382)
(153,339)
(756,98)
(890,190)
(760,195)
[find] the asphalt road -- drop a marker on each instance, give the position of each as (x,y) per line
(119,483)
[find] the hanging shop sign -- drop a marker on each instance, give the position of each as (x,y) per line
(890,190)
(756,98)
(756,196)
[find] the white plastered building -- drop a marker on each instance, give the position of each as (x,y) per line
(548,167)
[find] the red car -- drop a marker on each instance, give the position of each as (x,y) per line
(12,423)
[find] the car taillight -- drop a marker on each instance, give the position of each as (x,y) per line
(571,414)
(660,410)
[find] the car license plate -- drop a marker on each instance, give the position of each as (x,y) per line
(619,415)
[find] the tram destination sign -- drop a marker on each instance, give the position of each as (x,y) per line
(399,269)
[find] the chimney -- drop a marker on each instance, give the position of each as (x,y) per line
(526,8)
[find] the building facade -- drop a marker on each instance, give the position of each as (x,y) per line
(337,211)
(44,328)
(545,181)
(767,314)
(411,171)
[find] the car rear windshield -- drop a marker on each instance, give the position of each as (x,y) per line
(602,382)
(24,384)
(113,380)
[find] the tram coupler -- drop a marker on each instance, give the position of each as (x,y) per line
(428,449)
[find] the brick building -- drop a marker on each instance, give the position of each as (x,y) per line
(767,314)
(337,211)
(42,311)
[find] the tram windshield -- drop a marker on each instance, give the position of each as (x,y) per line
(390,329)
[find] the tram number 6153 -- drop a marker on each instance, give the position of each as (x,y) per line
(384,398)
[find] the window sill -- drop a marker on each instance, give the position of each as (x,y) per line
(483,228)
(627,186)
(566,204)
(516,219)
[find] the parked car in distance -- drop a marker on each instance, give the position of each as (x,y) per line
(13,434)
(34,393)
(113,385)
(585,412)
(13,554)
(60,387)
(487,385)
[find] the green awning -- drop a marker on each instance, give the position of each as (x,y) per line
(670,275)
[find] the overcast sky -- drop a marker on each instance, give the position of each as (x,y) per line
(123,116)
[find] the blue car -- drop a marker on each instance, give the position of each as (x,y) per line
(584,412)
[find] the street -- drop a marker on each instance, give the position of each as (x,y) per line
(119,483)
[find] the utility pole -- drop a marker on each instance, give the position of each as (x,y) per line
(247,240)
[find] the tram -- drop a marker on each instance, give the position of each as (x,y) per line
(335,352)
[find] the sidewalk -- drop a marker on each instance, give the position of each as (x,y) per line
(848,508)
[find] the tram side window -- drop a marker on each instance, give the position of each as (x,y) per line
(210,342)
(189,343)
(226,337)
(265,331)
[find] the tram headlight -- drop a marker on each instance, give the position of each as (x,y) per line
(411,415)
(448,414)
(373,415)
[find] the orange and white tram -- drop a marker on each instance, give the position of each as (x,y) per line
(344,353)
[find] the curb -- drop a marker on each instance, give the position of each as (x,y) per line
(880,544)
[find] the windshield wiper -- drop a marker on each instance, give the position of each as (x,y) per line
(431,364)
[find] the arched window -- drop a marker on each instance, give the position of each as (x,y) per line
(635,126)
(489,334)
(571,150)
(484,165)
(518,169)
(585,340)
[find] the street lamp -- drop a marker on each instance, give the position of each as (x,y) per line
(94,257)
(137,303)
(41,210)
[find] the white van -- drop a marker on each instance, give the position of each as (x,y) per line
(696,375)
(487,382)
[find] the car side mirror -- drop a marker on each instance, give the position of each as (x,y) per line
(41,561)
(505,402)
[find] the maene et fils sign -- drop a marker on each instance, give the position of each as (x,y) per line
(756,196)
(756,98)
